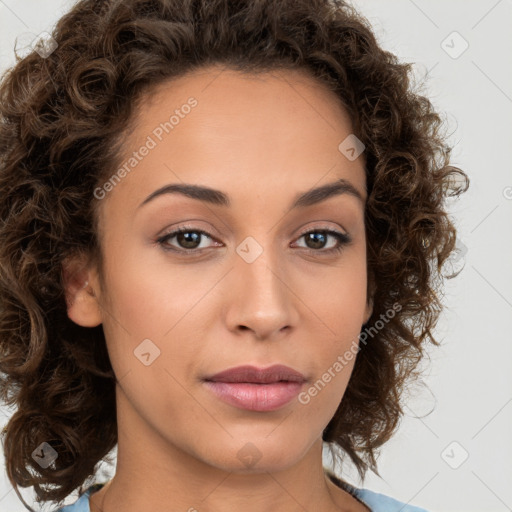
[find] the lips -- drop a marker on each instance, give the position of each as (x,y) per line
(251,374)
(255,389)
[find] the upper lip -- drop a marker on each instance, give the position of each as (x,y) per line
(256,375)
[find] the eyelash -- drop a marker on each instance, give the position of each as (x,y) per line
(342,238)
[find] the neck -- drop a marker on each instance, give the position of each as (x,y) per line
(153,473)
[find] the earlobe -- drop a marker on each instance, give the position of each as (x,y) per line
(79,282)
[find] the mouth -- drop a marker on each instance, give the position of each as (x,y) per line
(253,375)
(255,389)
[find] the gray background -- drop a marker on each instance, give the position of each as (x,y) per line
(453,450)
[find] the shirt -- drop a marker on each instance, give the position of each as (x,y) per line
(374,501)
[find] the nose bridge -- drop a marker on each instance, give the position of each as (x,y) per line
(258,264)
(261,299)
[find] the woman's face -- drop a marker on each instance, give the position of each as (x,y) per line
(254,280)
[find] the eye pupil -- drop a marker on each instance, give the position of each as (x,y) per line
(186,238)
(314,237)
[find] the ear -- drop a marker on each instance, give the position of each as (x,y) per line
(369,301)
(369,310)
(81,288)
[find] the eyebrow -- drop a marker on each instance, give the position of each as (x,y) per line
(218,198)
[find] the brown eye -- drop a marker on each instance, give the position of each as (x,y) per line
(317,239)
(187,239)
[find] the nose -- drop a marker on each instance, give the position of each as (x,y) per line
(261,299)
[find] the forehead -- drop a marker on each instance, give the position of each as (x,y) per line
(219,77)
(247,134)
(287,95)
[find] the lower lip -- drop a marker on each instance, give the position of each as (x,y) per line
(256,397)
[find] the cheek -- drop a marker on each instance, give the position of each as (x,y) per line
(319,401)
(152,317)
(336,298)
(147,296)
(339,308)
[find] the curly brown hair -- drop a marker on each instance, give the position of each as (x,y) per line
(62,122)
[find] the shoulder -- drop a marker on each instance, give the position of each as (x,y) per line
(375,501)
(382,503)
(82,503)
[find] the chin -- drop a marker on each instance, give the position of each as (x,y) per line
(256,454)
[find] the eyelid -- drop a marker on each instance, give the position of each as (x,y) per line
(343,239)
(321,228)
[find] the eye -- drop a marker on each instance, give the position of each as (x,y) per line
(317,239)
(189,240)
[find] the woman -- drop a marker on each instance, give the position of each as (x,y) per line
(223,230)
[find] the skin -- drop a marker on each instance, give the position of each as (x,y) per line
(261,140)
